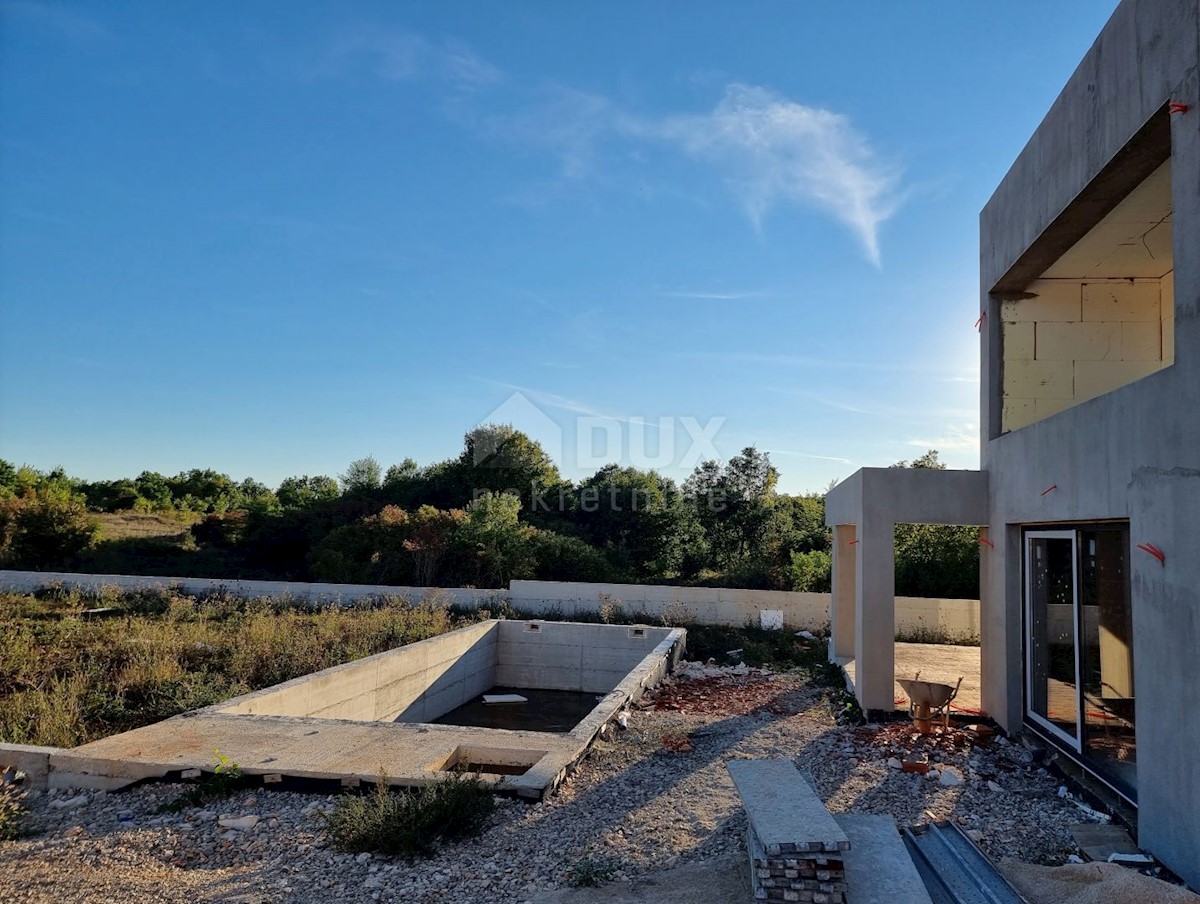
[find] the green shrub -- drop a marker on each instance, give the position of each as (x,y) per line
(410,823)
(11,811)
(227,779)
(590,871)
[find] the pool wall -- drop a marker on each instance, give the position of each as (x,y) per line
(423,681)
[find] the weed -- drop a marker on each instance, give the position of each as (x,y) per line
(227,779)
(12,810)
(409,824)
(591,871)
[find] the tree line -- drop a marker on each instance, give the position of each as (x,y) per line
(499,510)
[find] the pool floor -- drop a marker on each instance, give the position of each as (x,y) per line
(547,710)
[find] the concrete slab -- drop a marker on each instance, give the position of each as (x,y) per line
(936,662)
(1097,842)
(783,809)
(878,867)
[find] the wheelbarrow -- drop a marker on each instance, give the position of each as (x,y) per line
(929,701)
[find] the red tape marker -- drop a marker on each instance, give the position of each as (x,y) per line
(1173,107)
(984,541)
(1154,551)
(1051,488)
(853,542)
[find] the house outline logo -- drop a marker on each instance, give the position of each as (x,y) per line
(519,412)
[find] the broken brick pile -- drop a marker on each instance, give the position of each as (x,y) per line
(796,847)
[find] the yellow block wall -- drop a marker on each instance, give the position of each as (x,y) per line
(1077,340)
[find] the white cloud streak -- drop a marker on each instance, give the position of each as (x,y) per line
(776,151)
(403,56)
(770,151)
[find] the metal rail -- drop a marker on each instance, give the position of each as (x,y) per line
(954,870)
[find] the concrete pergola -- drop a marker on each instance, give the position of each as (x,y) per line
(863,511)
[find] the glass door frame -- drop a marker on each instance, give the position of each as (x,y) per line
(1075,743)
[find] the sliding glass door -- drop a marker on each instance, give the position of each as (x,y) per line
(1052,612)
(1079,646)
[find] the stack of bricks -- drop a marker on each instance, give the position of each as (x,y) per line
(814,875)
(796,847)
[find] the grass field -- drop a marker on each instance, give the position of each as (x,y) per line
(67,677)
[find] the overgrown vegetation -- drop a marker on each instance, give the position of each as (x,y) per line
(592,871)
(411,824)
(66,679)
(12,811)
(499,510)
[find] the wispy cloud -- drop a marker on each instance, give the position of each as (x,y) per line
(73,25)
(717,295)
(401,55)
(770,151)
(958,436)
(843,461)
(777,151)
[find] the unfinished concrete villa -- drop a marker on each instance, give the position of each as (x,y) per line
(1089,490)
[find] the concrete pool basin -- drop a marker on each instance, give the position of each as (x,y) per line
(377,715)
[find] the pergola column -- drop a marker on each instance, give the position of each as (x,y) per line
(875,614)
(843,600)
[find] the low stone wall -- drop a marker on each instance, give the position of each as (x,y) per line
(916,618)
(29,581)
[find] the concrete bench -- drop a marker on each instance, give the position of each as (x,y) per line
(801,852)
(796,847)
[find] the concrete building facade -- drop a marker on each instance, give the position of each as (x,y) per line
(1090,447)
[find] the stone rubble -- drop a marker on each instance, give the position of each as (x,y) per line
(631,801)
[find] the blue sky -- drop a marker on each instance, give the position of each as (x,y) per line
(271,238)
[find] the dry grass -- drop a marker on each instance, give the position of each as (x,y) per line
(137,526)
(66,680)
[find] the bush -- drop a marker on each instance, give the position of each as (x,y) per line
(44,528)
(589,871)
(410,823)
(11,811)
(811,571)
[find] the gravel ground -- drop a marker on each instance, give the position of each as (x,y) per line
(646,805)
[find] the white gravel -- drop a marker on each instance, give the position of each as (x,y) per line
(631,800)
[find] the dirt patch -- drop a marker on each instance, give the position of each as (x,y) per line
(1091,883)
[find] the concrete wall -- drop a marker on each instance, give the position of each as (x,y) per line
(956,619)
(29,581)
(1131,454)
(415,683)
(706,605)
(572,657)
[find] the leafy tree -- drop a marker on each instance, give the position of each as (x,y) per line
(299,492)
(500,459)
(204,491)
(495,540)
(936,560)
(369,551)
(363,477)
(812,571)
(8,480)
(734,503)
(635,516)
(561,558)
(431,533)
(155,489)
(111,495)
